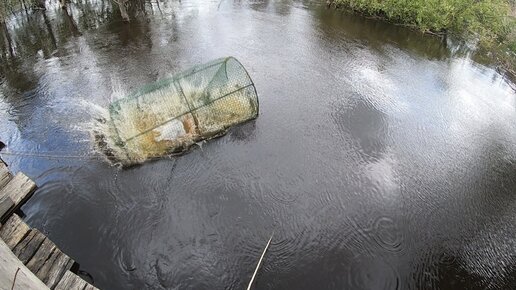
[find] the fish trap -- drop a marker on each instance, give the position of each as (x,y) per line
(170,115)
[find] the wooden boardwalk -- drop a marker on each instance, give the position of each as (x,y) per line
(38,253)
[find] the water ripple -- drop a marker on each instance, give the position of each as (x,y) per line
(368,273)
(387,234)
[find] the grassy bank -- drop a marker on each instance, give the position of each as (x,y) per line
(491,22)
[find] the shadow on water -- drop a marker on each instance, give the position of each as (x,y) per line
(376,34)
(244,132)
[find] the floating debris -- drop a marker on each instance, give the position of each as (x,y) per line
(167,117)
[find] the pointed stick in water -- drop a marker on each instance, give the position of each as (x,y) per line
(259,262)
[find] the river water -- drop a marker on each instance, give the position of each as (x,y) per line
(381,159)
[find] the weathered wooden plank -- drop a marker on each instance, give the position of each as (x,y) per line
(13,231)
(63,264)
(19,247)
(30,248)
(9,226)
(47,265)
(16,235)
(6,204)
(33,239)
(19,189)
(42,254)
(5,175)
(14,275)
(54,268)
(90,287)
(70,281)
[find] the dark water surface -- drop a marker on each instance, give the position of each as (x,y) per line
(381,159)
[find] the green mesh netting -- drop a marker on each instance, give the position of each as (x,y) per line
(170,115)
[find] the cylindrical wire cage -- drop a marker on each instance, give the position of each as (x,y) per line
(170,115)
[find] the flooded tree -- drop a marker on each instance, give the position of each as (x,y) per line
(3,11)
(5,31)
(40,4)
(24,5)
(71,23)
(123,9)
(50,31)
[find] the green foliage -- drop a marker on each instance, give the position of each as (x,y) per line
(484,17)
(512,46)
(7,6)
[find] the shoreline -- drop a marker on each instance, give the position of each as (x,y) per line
(494,58)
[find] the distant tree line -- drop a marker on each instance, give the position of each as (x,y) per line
(11,6)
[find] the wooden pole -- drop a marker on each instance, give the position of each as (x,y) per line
(259,263)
